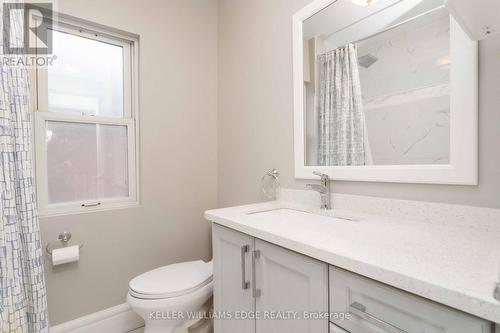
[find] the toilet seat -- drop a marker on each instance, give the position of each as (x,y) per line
(172,280)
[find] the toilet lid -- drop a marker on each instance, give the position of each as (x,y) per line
(172,280)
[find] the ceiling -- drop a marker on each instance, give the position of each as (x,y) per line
(345,21)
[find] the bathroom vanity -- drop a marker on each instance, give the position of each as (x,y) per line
(282,267)
(384,91)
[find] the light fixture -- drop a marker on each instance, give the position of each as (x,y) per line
(444,61)
(363,2)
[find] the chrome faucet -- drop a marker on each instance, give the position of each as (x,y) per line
(323,189)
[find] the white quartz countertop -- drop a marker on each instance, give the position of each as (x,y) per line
(453,265)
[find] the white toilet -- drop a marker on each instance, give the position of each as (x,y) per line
(166,297)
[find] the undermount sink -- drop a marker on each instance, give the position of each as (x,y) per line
(293,213)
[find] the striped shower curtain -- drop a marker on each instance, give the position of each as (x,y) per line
(23,304)
(342,129)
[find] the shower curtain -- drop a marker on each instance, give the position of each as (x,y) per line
(23,304)
(342,130)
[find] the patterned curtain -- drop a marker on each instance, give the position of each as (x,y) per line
(23,304)
(341,117)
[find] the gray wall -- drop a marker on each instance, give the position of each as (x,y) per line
(178,115)
(181,160)
(256,111)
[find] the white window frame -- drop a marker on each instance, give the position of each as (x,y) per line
(130,119)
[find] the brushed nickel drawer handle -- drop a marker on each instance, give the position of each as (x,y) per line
(244,283)
(359,310)
(255,292)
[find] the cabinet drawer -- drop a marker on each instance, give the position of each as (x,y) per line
(374,307)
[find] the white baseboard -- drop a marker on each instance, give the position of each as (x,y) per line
(118,319)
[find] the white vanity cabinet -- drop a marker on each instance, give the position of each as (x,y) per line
(374,307)
(290,283)
(277,285)
(232,269)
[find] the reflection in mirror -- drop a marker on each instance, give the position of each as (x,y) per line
(377,88)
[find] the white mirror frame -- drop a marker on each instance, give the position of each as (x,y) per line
(462,170)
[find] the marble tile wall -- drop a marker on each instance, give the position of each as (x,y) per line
(406,92)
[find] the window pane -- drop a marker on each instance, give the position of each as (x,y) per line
(86,162)
(86,77)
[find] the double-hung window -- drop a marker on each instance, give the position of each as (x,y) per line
(85,122)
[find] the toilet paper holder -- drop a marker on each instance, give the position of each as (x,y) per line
(64,238)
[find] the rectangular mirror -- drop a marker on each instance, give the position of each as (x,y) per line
(384,91)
